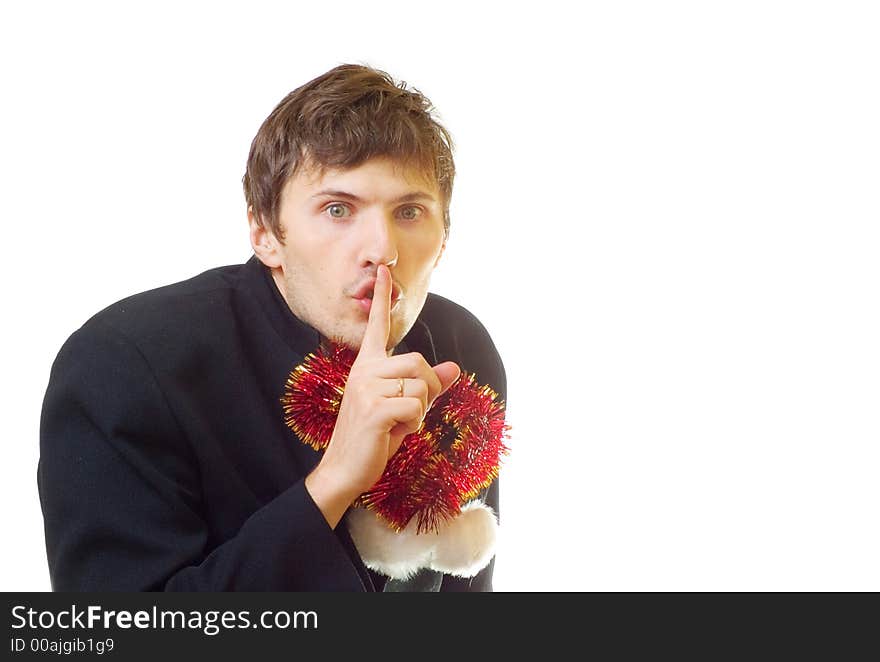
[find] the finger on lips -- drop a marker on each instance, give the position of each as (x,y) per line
(421,384)
(378,329)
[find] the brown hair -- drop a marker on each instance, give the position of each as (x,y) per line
(342,119)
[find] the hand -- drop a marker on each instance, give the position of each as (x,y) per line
(373,418)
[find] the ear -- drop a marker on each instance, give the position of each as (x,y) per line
(266,246)
(442,248)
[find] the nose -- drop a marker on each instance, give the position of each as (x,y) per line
(378,241)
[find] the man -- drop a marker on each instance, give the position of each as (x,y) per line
(165,460)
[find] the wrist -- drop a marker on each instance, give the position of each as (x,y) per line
(331,494)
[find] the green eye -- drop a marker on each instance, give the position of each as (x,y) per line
(410,213)
(337,211)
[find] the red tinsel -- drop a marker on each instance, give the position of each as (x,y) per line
(453,456)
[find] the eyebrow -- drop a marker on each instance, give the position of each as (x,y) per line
(409,197)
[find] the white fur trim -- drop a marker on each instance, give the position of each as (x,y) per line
(463,546)
(397,555)
(467,543)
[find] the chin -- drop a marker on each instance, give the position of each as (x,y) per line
(346,339)
(352,336)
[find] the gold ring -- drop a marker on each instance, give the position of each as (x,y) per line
(400,387)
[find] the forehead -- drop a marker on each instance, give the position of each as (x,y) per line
(376,178)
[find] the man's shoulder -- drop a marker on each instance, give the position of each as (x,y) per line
(181,303)
(446,314)
(166,321)
(458,335)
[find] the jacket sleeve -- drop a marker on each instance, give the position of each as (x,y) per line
(120,492)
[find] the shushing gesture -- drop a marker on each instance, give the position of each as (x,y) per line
(385,399)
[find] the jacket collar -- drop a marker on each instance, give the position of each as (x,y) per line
(301,337)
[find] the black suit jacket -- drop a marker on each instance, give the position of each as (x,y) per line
(165,463)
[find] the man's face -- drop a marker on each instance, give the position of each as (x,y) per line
(338,228)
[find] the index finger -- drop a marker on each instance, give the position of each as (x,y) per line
(378,329)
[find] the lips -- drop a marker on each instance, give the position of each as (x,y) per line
(365,291)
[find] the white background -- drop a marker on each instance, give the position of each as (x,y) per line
(666,214)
